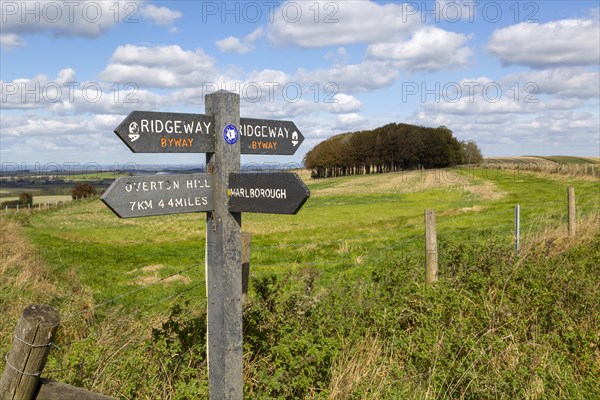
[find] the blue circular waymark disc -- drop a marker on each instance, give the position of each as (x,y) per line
(230,133)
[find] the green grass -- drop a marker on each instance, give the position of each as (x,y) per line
(43,199)
(570,160)
(333,232)
(344,273)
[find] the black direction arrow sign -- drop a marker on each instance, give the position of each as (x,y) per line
(267,136)
(164,132)
(272,193)
(144,196)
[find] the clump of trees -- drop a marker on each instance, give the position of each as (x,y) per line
(390,148)
(83,189)
(471,153)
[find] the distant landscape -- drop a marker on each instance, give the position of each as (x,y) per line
(337,305)
(543,160)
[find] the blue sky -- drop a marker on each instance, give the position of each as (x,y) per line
(519,78)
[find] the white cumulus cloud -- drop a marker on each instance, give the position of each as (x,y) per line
(569,42)
(84,18)
(327,23)
(430,49)
(352,78)
(350,122)
(162,66)
(565,82)
(232,44)
(343,103)
(161,15)
(11,40)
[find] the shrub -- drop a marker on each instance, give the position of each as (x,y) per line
(83,189)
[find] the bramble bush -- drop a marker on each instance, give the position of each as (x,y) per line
(494,326)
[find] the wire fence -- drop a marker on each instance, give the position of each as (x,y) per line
(364,249)
(61,201)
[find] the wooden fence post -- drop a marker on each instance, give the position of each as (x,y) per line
(50,390)
(572,215)
(31,346)
(517,228)
(431,254)
(246,251)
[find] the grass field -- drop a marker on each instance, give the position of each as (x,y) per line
(6,193)
(44,199)
(337,308)
(346,219)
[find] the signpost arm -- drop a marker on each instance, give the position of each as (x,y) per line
(223,257)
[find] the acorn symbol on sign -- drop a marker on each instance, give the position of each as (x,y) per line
(134,130)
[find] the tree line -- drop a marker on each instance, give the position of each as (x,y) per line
(390,148)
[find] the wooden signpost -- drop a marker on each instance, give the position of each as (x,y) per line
(266,136)
(223,193)
(166,132)
(144,196)
(273,193)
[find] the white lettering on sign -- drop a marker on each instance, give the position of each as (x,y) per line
(258,193)
(141,205)
(197,183)
(183,202)
(151,186)
(264,131)
(174,126)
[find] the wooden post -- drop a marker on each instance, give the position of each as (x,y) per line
(517,228)
(223,257)
(50,390)
(246,250)
(572,214)
(27,357)
(431,255)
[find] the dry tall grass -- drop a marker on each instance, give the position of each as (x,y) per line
(545,167)
(367,365)
(553,240)
(26,279)
(411,182)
